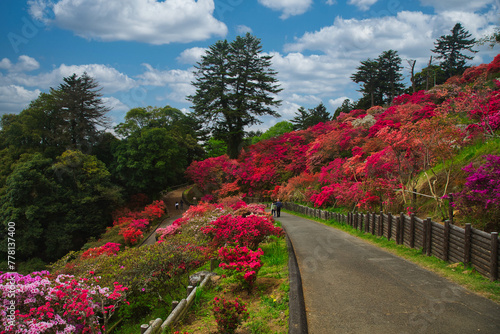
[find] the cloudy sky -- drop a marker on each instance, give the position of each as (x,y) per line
(142,52)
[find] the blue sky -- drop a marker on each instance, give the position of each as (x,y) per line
(142,52)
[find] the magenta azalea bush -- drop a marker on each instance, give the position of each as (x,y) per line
(64,304)
(242,263)
(480,198)
(247,231)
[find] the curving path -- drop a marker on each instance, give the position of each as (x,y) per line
(350,286)
(169,199)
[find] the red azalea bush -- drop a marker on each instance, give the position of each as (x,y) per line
(242,263)
(229,314)
(134,223)
(247,231)
(109,248)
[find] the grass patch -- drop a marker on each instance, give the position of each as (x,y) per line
(455,272)
(267,304)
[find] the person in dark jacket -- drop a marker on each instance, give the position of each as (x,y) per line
(278,208)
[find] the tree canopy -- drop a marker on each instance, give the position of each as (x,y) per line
(234,85)
(449,49)
(307,118)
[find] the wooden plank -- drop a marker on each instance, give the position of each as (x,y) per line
(479,252)
(456,237)
(457,229)
(478,261)
(480,233)
(481,242)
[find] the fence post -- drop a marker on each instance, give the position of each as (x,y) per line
(403,222)
(429,236)
(144,328)
(494,257)
(389,226)
(424,237)
(467,246)
(374,216)
(367,223)
(412,230)
(380,224)
(398,230)
(446,244)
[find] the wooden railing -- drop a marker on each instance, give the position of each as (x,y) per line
(445,241)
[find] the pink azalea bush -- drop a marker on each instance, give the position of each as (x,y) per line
(64,304)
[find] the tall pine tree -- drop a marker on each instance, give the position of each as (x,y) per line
(449,49)
(234,85)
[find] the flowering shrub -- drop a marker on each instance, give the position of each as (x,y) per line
(131,235)
(229,314)
(109,248)
(65,304)
(247,231)
(174,228)
(480,197)
(242,262)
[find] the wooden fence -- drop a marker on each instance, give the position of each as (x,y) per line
(447,242)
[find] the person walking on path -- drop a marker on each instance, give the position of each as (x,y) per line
(176,205)
(182,204)
(278,207)
(273,209)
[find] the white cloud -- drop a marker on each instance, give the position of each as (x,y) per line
(148,21)
(24,64)
(191,56)
(335,103)
(178,82)
(287,7)
(13,98)
(243,29)
(362,4)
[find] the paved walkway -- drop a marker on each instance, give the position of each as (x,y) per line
(169,199)
(351,286)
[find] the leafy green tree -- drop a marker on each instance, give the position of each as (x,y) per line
(305,119)
(234,85)
(276,130)
(56,206)
(150,160)
(450,47)
(215,148)
(158,144)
